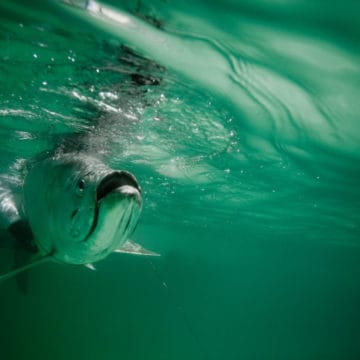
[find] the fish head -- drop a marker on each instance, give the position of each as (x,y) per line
(79,209)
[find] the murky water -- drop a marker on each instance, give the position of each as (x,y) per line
(240,120)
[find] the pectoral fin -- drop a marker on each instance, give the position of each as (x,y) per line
(25,252)
(129,247)
(90,267)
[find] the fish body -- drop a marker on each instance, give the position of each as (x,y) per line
(76,210)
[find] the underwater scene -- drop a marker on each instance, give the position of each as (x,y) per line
(179,180)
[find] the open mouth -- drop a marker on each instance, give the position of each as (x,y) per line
(114,181)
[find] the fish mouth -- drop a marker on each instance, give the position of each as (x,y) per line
(116,182)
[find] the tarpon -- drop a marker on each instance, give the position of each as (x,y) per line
(79,211)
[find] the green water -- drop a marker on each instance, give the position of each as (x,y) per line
(247,151)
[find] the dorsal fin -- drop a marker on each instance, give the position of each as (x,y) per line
(36,261)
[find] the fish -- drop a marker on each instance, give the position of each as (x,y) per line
(79,211)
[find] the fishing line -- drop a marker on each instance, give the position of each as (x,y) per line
(25,267)
(180,309)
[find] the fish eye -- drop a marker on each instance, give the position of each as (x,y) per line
(81,185)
